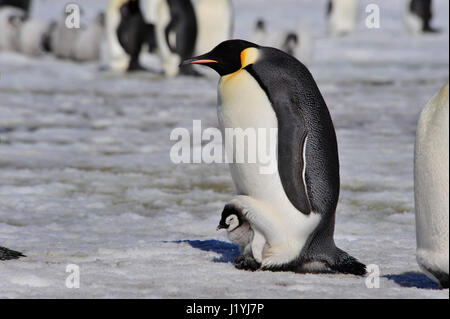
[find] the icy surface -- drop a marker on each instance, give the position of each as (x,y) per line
(86,177)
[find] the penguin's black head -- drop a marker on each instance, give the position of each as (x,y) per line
(228,213)
(228,57)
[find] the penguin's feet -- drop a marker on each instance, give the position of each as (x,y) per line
(247,263)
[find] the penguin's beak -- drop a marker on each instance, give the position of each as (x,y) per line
(221,226)
(198,60)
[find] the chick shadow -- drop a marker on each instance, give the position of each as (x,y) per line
(228,252)
(413,280)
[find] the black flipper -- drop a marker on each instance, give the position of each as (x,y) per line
(8,254)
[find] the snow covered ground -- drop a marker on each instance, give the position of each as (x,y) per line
(86,179)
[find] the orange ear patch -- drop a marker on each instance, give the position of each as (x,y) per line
(249,56)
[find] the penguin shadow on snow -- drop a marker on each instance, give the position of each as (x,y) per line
(413,280)
(228,252)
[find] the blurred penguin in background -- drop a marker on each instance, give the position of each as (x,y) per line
(133,32)
(11,20)
(113,54)
(260,32)
(63,39)
(297,42)
(21,4)
(35,36)
(87,47)
(128,31)
(214,22)
(176,35)
(431,188)
(418,16)
(342,16)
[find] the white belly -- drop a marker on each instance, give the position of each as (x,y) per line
(214,18)
(432,184)
(243,104)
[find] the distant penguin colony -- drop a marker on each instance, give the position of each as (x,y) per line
(418,16)
(431,188)
(294,208)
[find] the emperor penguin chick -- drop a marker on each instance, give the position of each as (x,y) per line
(241,233)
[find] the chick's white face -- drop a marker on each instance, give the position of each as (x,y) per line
(233,222)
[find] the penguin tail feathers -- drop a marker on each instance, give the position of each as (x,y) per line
(346,264)
(8,254)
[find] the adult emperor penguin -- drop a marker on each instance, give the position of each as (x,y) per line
(176,34)
(342,16)
(215,23)
(418,16)
(431,188)
(251,242)
(293,207)
(8,254)
(133,32)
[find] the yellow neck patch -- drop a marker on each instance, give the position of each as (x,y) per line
(249,56)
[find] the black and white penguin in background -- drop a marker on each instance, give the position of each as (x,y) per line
(418,16)
(11,20)
(176,34)
(431,188)
(35,36)
(63,39)
(128,32)
(296,42)
(343,16)
(133,32)
(294,206)
(87,47)
(214,22)
(8,254)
